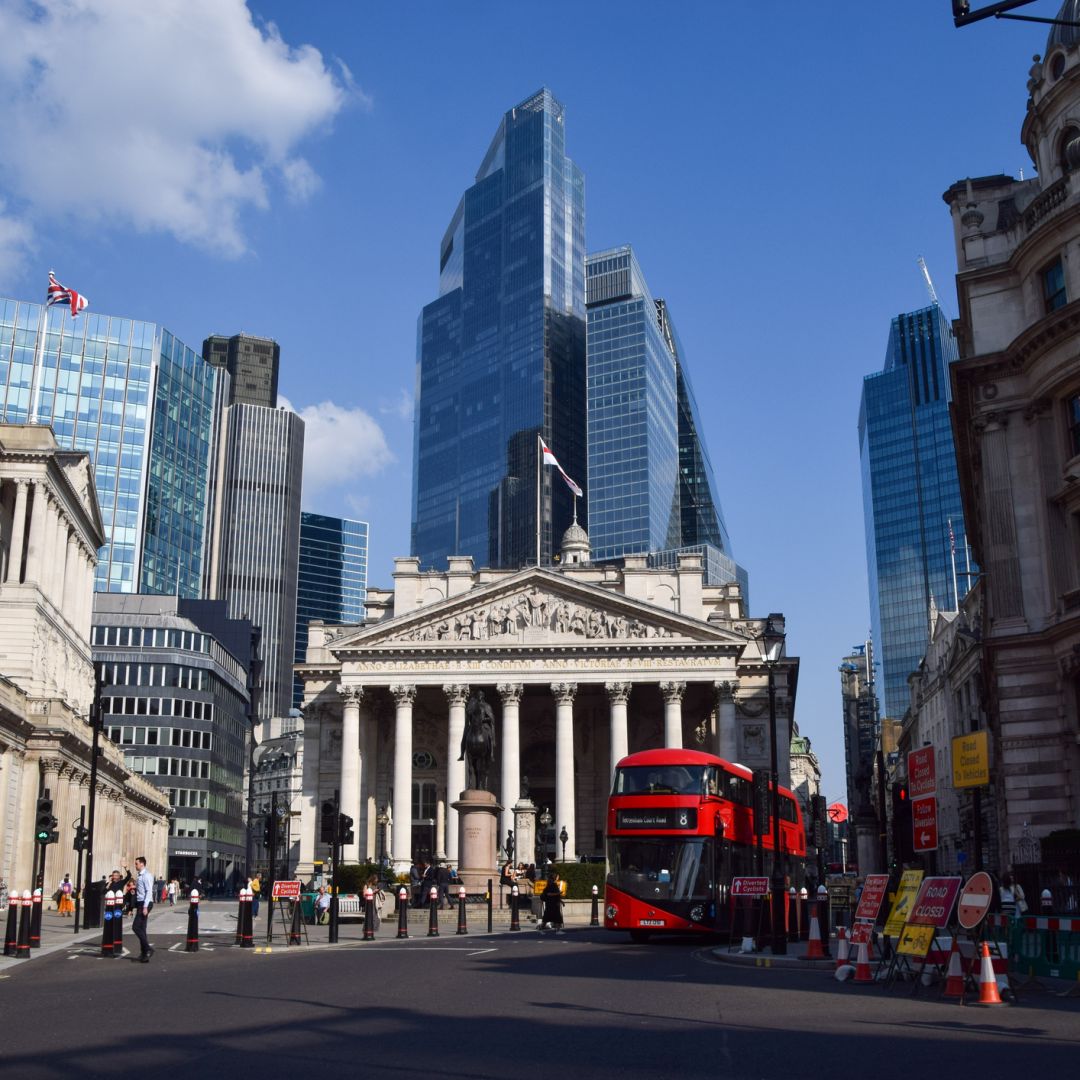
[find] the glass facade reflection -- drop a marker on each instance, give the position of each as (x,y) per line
(911,493)
(501,354)
(651,484)
(331,578)
(142,404)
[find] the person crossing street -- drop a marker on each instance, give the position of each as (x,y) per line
(144,901)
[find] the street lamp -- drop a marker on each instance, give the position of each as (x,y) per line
(771,647)
(564,836)
(383,819)
(431,825)
(545,824)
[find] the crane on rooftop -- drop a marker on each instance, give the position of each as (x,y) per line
(929,284)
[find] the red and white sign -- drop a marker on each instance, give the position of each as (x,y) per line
(286,890)
(974,901)
(873,892)
(921,772)
(934,904)
(749,886)
(860,933)
(924,823)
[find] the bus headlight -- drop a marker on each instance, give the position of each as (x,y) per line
(697,913)
(612,911)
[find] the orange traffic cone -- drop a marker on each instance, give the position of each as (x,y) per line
(841,947)
(954,977)
(862,964)
(814,949)
(988,987)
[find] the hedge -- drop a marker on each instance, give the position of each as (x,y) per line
(581,877)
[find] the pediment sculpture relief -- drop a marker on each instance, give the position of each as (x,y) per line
(537,610)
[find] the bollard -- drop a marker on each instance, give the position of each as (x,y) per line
(246,936)
(433,912)
(11,936)
(22,944)
(794,923)
(193,922)
(118,926)
(106,924)
(515,924)
(804,914)
(1046,901)
(461,927)
(296,928)
(594,918)
(240,916)
(489,906)
(825,915)
(369,913)
(35,920)
(403,913)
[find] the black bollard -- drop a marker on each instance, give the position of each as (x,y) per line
(240,918)
(489,905)
(35,920)
(461,927)
(296,929)
(594,919)
(11,936)
(369,913)
(514,923)
(193,922)
(106,924)
(118,926)
(247,935)
(433,912)
(22,944)
(403,913)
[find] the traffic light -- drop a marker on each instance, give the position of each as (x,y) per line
(44,822)
(345,833)
(820,819)
(82,838)
(266,834)
(327,822)
(960,8)
(903,842)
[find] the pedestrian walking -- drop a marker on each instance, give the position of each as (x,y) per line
(144,902)
(553,901)
(255,885)
(66,905)
(173,889)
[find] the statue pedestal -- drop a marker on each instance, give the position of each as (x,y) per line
(525,831)
(478,838)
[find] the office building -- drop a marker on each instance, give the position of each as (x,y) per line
(144,406)
(861,736)
(651,485)
(501,355)
(916,549)
(331,577)
(252,364)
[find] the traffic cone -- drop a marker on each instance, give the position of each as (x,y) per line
(814,950)
(988,987)
(841,947)
(954,977)
(862,964)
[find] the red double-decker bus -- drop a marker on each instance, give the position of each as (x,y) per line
(680,826)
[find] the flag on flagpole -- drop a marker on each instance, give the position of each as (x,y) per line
(57,294)
(952,538)
(549,459)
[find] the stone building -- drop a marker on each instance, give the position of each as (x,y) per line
(1016,393)
(50,530)
(581,664)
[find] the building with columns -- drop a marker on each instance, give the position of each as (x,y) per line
(581,665)
(50,531)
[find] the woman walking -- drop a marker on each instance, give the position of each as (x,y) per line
(67,899)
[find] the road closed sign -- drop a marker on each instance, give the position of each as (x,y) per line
(934,904)
(974,902)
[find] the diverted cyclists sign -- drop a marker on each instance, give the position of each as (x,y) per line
(286,890)
(749,886)
(924,823)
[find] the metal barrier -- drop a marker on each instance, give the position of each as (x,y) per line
(1046,946)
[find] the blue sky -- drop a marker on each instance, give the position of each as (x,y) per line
(288,170)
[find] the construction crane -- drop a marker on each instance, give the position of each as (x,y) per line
(929,283)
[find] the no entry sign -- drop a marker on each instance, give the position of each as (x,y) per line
(974,902)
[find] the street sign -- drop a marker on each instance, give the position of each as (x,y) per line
(974,902)
(873,892)
(286,890)
(860,933)
(905,897)
(921,772)
(749,886)
(971,760)
(915,940)
(924,823)
(934,904)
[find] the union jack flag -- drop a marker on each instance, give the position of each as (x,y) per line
(57,294)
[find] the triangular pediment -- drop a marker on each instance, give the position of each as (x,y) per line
(535,607)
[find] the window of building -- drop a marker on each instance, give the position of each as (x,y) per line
(1073,405)
(1054,286)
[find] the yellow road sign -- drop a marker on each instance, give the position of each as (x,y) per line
(971,760)
(910,880)
(915,940)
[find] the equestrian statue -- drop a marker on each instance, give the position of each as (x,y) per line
(478,742)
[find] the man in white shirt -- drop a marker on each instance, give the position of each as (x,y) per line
(144,901)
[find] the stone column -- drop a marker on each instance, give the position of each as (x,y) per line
(47,577)
(404,696)
(618,695)
(86,592)
(727,734)
(311,798)
(351,764)
(564,767)
(58,558)
(18,533)
(511,752)
(72,580)
(456,694)
(369,779)
(35,548)
(673,695)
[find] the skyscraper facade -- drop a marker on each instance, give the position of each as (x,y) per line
(915,536)
(501,355)
(144,406)
(331,577)
(252,364)
(650,481)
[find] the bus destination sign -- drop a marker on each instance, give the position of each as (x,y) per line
(664,817)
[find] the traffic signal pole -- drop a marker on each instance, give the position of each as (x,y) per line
(95,749)
(78,868)
(335,856)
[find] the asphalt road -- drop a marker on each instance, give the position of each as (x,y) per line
(582,1004)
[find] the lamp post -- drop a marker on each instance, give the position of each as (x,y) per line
(563,837)
(383,819)
(545,824)
(431,825)
(771,647)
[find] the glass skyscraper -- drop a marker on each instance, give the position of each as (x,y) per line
(331,579)
(143,405)
(651,484)
(916,543)
(501,354)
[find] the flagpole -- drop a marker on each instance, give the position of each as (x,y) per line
(539,462)
(952,556)
(39,363)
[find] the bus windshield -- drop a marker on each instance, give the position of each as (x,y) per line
(667,869)
(665,780)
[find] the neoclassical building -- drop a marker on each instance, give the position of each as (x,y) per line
(50,530)
(581,664)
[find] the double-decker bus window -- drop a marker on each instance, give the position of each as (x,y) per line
(664,869)
(712,780)
(660,780)
(787,809)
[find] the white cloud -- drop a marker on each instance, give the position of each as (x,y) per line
(174,116)
(15,240)
(340,445)
(401,406)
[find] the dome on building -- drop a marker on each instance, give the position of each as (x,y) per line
(1065,36)
(575,545)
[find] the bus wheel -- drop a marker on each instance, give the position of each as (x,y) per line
(639,937)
